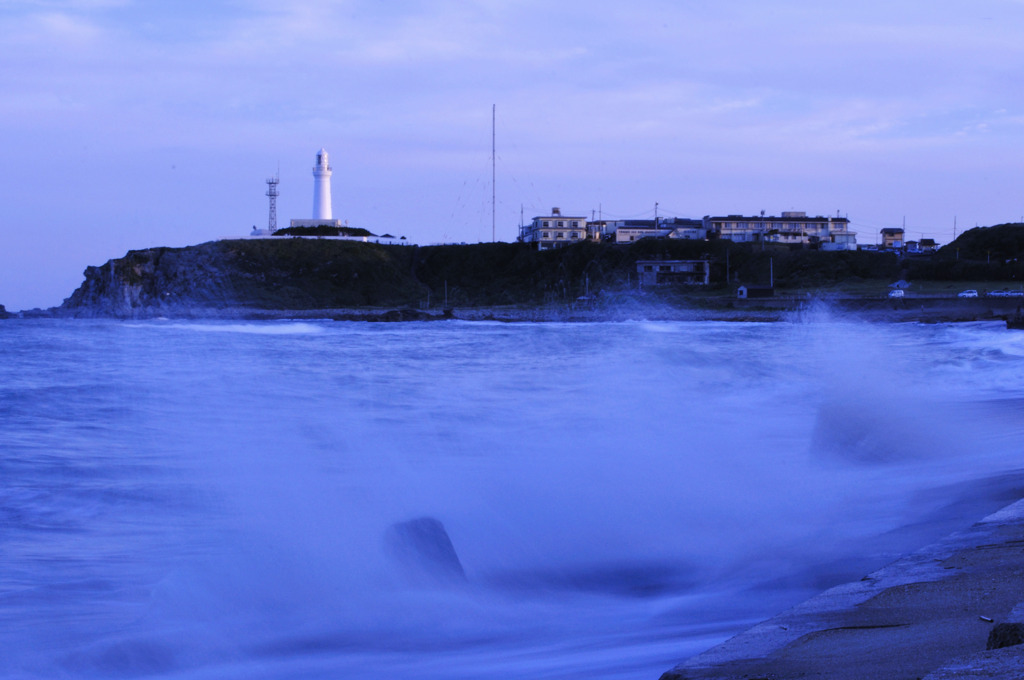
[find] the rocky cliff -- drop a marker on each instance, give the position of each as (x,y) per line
(257,274)
(325,274)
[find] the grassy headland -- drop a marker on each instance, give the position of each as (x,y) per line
(317,273)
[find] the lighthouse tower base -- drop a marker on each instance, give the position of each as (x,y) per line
(317,223)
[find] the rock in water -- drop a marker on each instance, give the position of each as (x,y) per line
(422,548)
(1005,635)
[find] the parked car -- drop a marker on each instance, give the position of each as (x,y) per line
(967,293)
(998,293)
(896,293)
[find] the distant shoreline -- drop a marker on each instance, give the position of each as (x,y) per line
(781,308)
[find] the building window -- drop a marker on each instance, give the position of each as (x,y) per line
(575,223)
(575,234)
(545,224)
(545,234)
(560,223)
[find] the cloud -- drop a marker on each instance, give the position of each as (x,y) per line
(58,31)
(708,106)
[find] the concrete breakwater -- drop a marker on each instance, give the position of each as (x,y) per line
(954,609)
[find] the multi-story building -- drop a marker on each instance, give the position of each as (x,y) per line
(892,237)
(557,230)
(797,228)
(827,233)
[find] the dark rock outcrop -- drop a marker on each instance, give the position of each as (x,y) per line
(1005,635)
(3,312)
(406,314)
(423,551)
(292,274)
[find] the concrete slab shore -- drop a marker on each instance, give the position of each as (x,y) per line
(927,615)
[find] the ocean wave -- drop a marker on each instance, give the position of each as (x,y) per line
(255,328)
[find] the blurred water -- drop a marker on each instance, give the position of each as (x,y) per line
(210,500)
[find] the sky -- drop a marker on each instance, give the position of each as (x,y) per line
(128,124)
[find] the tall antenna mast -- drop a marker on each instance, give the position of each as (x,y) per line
(494,108)
(273,194)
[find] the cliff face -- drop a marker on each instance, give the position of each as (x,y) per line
(154,279)
(306,274)
(310,274)
(258,274)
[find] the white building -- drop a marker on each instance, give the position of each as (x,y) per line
(827,233)
(628,231)
(557,230)
(322,212)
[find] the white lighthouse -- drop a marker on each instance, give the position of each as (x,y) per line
(322,213)
(322,187)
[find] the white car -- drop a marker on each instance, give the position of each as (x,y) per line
(967,293)
(896,293)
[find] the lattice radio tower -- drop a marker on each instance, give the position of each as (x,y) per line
(273,194)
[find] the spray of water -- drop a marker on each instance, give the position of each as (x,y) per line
(618,494)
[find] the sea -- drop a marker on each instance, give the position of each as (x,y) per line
(219,499)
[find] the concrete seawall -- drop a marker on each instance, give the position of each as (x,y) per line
(928,615)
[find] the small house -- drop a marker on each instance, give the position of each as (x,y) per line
(689,272)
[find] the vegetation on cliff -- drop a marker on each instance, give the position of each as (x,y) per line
(309,273)
(1003,241)
(979,254)
(323,230)
(322,273)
